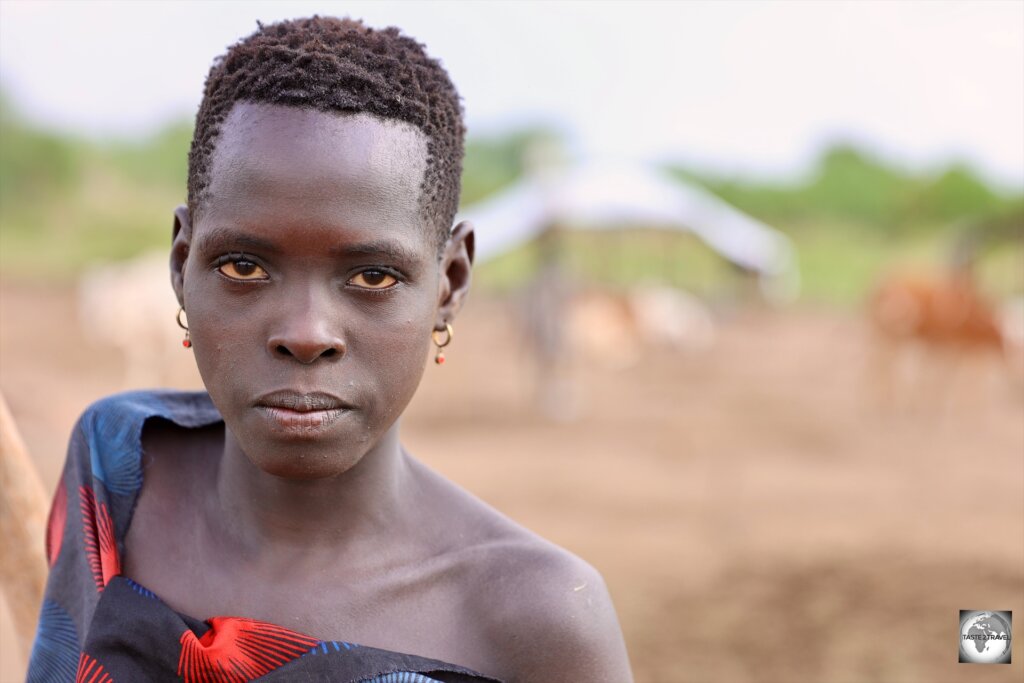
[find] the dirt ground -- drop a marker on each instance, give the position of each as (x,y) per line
(756,516)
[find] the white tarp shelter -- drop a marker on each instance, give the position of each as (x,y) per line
(613,196)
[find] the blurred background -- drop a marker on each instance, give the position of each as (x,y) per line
(749,307)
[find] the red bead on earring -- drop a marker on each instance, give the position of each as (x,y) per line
(186,342)
(435,335)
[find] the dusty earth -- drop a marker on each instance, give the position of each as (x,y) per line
(756,515)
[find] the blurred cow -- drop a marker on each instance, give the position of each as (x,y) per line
(612,330)
(130,307)
(953,328)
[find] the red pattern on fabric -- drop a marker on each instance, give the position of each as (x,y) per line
(237,650)
(100,545)
(55,523)
(91,671)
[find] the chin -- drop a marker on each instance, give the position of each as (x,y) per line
(303,462)
(293,448)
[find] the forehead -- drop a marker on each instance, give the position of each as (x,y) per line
(276,162)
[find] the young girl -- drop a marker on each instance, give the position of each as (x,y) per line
(267,527)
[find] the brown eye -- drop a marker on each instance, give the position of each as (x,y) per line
(373,279)
(243,270)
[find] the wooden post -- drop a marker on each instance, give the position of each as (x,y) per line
(23,511)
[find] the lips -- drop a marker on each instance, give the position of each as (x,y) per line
(301,402)
(299,412)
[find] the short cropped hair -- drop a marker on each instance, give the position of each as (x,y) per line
(339,65)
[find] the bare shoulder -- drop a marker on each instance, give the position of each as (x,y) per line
(545,613)
(553,619)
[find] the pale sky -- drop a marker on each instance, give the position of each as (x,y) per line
(748,87)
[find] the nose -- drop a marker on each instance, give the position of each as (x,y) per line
(306,333)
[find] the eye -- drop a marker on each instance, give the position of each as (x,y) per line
(373,279)
(238,268)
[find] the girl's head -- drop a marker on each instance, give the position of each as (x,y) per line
(338,66)
(316,253)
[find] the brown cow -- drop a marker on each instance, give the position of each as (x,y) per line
(953,327)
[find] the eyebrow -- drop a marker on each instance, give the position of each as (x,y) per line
(225,238)
(388,248)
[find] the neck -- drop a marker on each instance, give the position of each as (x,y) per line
(260,512)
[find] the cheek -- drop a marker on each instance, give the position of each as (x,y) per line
(399,358)
(223,337)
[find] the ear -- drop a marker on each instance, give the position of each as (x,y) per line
(456,270)
(181,241)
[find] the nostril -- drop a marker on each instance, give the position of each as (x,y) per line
(307,354)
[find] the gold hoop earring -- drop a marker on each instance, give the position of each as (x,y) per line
(439,358)
(186,342)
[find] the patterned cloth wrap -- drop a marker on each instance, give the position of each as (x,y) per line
(97,626)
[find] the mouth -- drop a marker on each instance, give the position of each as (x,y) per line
(299,412)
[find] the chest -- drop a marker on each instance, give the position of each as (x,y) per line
(176,547)
(171,551)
